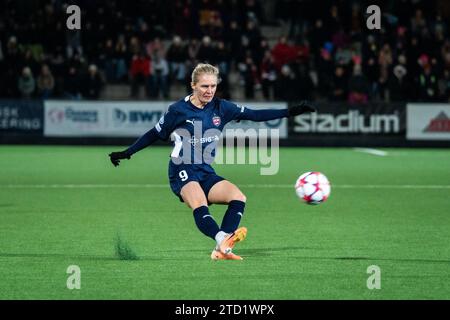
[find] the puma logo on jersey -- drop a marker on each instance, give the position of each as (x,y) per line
(190,121)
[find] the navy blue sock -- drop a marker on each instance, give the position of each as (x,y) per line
(232,216)
(205,222)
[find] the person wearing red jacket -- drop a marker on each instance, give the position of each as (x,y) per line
(139,73)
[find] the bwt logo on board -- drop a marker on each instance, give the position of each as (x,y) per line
(137,116)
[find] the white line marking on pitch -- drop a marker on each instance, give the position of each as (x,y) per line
(371,151)
(83,186)
(259,186)
(356,186)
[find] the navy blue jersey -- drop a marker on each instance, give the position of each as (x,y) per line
(195,131)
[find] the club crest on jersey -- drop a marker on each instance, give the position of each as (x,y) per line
(216,120)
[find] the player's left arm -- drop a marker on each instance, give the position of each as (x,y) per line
(144,141)
(160,131)
(271,114)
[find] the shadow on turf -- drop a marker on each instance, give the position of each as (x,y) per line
(54,255)
(269,251)
(245,253)
(387,259)
(272,251)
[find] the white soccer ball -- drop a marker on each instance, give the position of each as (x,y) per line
(313,187)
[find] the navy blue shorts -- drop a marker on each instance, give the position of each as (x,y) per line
(180,175)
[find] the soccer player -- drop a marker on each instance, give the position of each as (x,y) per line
(195,124)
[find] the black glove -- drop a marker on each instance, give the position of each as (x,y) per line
(302,107)
(117,156)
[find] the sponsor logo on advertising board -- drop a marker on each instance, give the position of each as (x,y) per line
(350,122)
(20,116)
(428,121)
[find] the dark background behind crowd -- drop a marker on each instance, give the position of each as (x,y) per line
(272,50)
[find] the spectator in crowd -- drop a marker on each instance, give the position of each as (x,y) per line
(445,54)
(182,21)
(135,46)
(418,22)
(206,52)
(283,53)
(427,81)
(304,84)
(370,49)
(385,58)
(286,84)
(445,86)
(28,60)
(223,63)
(341,39)
(93,83)
(140,68)
(343,56)
(214,26)
(325,71)
(107,61)
(26,83)
(398,84)
(358,86)
(317,37)
(372,72)
(57,65)
(254,9)
(45,82)
(121,58)
(223,90)
(253,34)
(9,69)
(339,85)
(234,39)
(260,51)
(72,84)
(209,18)
(12,54)
(176,56)
(159,76)
(222,58)
(268,76)
(249,75)
(193,49)
(382,85)
(73,40)
(156,45)
(334,20)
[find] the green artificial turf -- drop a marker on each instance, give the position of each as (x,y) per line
(133,239)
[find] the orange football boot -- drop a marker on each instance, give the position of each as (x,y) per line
(230,240)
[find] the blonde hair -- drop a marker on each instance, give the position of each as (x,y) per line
(204,68)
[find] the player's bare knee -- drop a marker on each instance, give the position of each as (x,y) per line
(196,203)
(240,197)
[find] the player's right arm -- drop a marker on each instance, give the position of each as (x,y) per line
(161,131)
(235,112)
